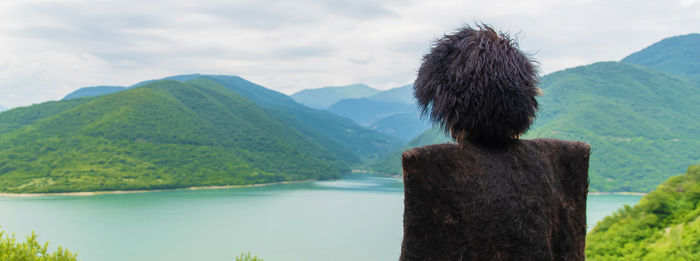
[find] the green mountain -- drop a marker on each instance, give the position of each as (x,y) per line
(665,225)
(366,111)
(402,94)
(93,91)
(677,55)
(391,164)
(321,98)
(405,126)
(165,134)
(343,138)
(642,125)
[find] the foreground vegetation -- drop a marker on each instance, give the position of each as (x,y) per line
(30,250)
(665,225)
(248,257)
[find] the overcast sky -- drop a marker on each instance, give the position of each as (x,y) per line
(50,48)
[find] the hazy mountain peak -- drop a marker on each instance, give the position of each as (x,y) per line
(93,91)
(403,94)
(179,78)
(322,98)
(678,55)
(104,90)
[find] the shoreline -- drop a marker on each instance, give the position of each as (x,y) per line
(359,171)
(94,193)
(618,193)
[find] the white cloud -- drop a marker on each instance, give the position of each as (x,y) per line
(50,49)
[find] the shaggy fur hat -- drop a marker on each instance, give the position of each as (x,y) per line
(477,85)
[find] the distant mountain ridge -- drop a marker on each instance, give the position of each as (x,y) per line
(403,94)
(366,111)
(2,108)
(322,98)
(392,112)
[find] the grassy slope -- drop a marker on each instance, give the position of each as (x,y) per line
(165,134)
(665,225)
(323,97)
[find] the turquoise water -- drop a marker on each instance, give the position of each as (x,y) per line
(356,218)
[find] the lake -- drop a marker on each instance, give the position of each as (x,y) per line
(356,218)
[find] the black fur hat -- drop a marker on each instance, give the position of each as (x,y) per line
(478,86)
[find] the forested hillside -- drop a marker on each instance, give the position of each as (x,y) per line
(342,137)
(665,225)
(641,124)
(165,134)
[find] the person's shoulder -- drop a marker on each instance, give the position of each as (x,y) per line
(428,152)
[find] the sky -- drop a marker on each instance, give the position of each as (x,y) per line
(51,48)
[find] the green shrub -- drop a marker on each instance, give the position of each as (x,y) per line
(31,250)
(248,257)
(665,225)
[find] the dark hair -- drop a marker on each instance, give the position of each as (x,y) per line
(477,85)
